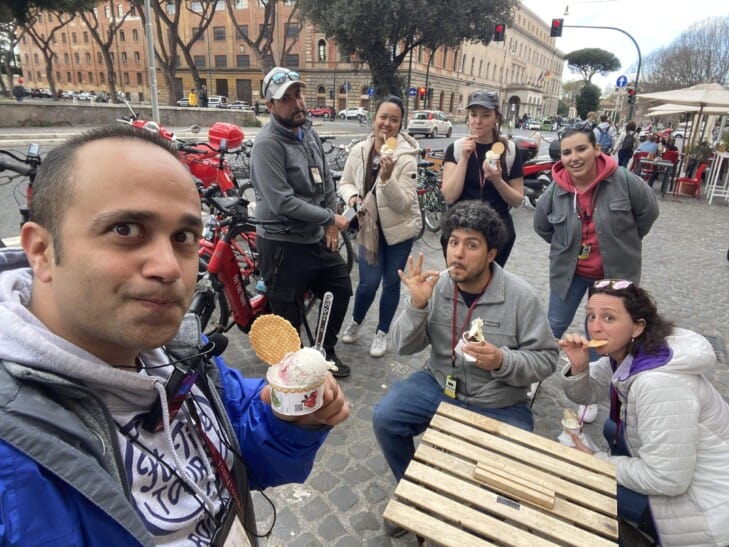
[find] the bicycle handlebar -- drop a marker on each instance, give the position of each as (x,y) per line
(22,170)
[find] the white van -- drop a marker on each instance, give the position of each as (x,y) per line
(217,101)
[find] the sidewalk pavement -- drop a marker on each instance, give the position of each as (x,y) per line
(341,504)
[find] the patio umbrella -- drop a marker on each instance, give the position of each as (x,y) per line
(701,95)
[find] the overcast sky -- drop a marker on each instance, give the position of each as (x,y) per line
(652,23)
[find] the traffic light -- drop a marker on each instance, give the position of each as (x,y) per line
(556,31)
(499,31)
(421,93)
(631,95)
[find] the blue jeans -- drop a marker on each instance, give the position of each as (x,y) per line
(562,312)
(390,259)
(407,408)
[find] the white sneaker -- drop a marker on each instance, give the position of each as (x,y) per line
(587,413)
(351,333)
(379,344)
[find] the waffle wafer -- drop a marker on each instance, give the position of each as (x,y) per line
(497,147)
(391,142)
(272,337)
(596,343)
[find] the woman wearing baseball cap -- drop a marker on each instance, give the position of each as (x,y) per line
(468,174)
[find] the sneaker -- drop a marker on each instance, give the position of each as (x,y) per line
(379,344)
(393,530)
(351,333)
(587,413)
(342,369)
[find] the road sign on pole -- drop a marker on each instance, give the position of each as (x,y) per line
(370,91)
(622,81)
(412,92)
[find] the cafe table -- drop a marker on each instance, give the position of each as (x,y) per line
(660,167)
(476,481)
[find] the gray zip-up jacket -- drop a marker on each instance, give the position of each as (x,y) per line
(625,209)
(292,183)
(514,321)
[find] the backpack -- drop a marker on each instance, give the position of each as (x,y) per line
(604,139)
(629,141)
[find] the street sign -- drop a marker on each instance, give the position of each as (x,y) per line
(622,81)
(347,87)
(412,92)
(370,91)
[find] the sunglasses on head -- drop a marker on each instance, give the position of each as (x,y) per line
(615,284)
(477,95)
(280,77)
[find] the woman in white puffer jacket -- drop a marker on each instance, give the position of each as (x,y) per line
(668,428)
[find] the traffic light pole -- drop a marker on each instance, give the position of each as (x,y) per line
(637,73)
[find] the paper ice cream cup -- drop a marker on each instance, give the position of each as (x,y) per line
(459,350)
(492,158)
(295,400)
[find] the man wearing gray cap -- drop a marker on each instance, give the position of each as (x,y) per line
(293,184)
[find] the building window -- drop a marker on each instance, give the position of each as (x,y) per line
(218,33)
(91,77)
(80,78)
(88,58)
(119,10)
(63,38)
(292,30)
(135,35)
(122,36)
(102,78)
(77,58)
(73,38)
(132,10)
(58,76)
(55,58)
(241,4)
(68,77)
(140,79)
(241,32)
(99,57)
(196,7)
(221,61)
(66,60)
(291,60)
(107,12)
(126,78)
(137,57)
(36,60)
(200,38)
(96,12)
(170,7)
(124,57)
(199,60)
(473,64)
(40,17)
(50,17)
(243,61)
(86,37)
(322,48)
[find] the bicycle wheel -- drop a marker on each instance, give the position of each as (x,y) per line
(247,192)
(240,165)
(421,203)
(435,208)
(340,158)
(346,251)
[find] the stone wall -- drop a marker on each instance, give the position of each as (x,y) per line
(66,114)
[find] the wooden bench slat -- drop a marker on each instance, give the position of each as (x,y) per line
(427,526)
(548,525)
(542,443)
(513,486)
(565,509)
(472,520)
(522,453)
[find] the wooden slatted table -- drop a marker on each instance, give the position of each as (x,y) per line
(478,481)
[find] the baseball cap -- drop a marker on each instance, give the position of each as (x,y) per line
(486,99)
(278,80)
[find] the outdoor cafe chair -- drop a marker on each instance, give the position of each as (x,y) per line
(694,182)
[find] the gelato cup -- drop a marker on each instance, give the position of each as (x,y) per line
(297,382)
(492,158)
(570,422)
(459,349)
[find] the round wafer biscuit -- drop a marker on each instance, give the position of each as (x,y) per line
(596,343)
(497,147)
(272,337)
(391,142)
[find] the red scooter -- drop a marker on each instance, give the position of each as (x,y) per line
(538,173)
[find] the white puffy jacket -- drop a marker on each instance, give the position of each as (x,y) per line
(677,428)
(397,199)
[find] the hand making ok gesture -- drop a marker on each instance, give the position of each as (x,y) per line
(419,283)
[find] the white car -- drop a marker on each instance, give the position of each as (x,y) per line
(432,123)
(352,113)
(534,125)
(217,101)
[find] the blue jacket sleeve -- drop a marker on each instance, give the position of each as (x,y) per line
(275,452)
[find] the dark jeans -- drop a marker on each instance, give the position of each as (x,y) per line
(291,269)
(632,506)
(407,408)
(624,157)
(390,259)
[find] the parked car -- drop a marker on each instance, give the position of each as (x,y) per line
(41,93)
(240,105)
(68,94)
(217,101)
(321,112)
(183,102)
(352,113)
(84,96)
(534,125)
(529,147)
(431,123)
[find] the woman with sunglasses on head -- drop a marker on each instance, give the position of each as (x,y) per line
(668,430)
(380,176)
(469,174)
(594,216)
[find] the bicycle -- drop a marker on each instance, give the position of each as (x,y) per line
(433,206)
(240,161)
(24,167)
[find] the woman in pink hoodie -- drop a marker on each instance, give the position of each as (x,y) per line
(594,216)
